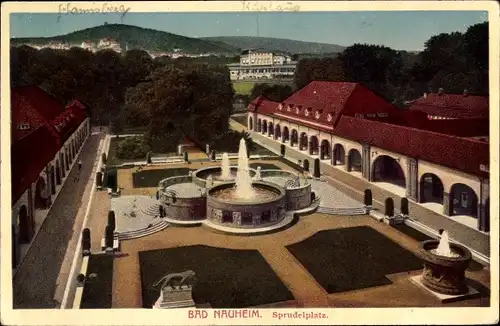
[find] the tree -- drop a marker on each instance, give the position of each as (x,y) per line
(476,43)
(330,69)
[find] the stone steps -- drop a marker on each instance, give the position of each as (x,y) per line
(342,211)
(143,232)
(152,210)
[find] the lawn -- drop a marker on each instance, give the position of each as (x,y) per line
(243,87)
(97,291)
(151,178)
(226,278)
(353,258)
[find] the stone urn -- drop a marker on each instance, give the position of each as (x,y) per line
(442,274)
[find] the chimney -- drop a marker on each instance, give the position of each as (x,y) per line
(441,91)
(466,92)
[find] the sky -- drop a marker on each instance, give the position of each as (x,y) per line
(402,30)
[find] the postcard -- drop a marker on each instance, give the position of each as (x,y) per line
(249,163)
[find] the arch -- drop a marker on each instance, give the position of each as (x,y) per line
(325,150)
(264,126)
(387,169)
(305,165)
(431,189)
(463,200)
(303,141)
(52,178)
(338,155)
(354,161)
(270,128)
(41,198)
(25,225)
(259,125)
(58,173)
(295,138)
(286,134)
(313,145)
(277,131)
(250,123)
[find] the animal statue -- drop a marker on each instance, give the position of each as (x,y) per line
(186,278)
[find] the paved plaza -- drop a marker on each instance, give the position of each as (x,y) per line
(135,212)
(398,291)
(37,283)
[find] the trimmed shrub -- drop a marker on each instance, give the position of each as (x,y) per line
(98,179)
(306,165)
(389,207)
(368,198)
(80,278)
(186,157)
(212,155)
(317,172)
(109,237)
(404,206)
(86,242)
(112,220)
(132,148)
(148,158)
(104,158)
(282,149)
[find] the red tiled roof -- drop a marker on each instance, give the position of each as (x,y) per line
(33,149)
(29,156)
(45,104)
(457,127)
(459,153)
(323,96)
(453,105)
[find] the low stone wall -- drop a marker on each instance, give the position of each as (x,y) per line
(174,180)
(277,173)
(298,198)
(178,207)
(186,209)
(248,215)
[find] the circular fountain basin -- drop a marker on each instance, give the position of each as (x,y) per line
(200,176)
(266,207)
(443,274)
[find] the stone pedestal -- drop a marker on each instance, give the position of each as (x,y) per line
(177,297)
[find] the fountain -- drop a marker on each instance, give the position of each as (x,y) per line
(443,248)
(444,266)
(225,169)
(243,186)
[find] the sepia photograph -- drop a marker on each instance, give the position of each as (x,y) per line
(249,162)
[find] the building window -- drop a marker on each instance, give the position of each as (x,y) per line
(329,118)
(23,126)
